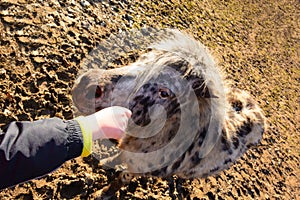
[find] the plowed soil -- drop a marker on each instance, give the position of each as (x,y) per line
(257,43)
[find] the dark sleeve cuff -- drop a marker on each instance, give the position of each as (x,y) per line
(75,139)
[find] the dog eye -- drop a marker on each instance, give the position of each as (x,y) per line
(164,93)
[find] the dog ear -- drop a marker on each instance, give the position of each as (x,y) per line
(200,88)
(196,80)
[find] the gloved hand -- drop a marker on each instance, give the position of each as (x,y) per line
(110,122)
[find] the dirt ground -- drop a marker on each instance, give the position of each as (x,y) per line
(257,43)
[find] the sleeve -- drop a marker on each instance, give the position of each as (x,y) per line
(32,149)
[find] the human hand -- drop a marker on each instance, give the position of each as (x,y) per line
(110,122)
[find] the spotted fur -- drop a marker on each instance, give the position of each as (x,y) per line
(230,121)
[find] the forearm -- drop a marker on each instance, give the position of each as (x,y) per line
(32,149)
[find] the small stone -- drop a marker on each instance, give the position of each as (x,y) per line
(2,71)
(38,59)
(35,53)
(103,24)
(84,3)
(20,32)
(128,17)
(72,2)
(85,25)
(9,19)
(24,39)
(4,12)
(7,112)
(25,21)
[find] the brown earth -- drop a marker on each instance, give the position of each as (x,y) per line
(256,42)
